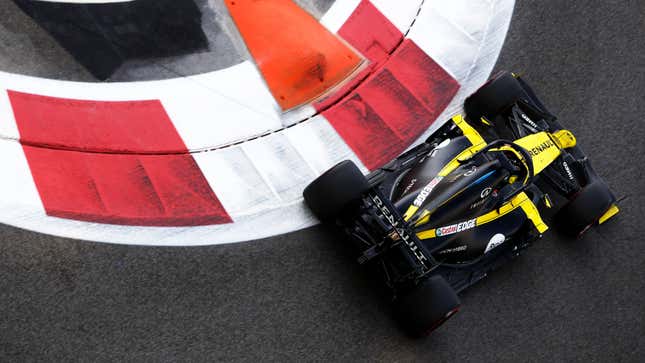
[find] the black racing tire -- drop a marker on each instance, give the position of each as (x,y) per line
(494,97)
(331,192)
(584,209)
(427,306)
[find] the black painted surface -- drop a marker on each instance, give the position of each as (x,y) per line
(298,298)
(102,36)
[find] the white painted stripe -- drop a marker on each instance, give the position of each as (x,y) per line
(471,17)
(269,223)
(401,13)
(8,126)
(281,166)
(442,39)
(213,110)
(338,14)
(240,187)
(320,145)
(18,193)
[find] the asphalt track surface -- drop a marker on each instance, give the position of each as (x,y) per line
(299,298)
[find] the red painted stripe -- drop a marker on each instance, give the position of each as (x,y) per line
(429,82)
(100,126)
(129,189)
(366,133)
(404,115)
(371,33)
(405,94)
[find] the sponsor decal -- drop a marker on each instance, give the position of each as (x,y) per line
(400,231)
(540,148)
(412,182)
(478,204)
(471,171)
(567,169)
(484,197)
(529,121)
(453,250)
(456,228)
(495,241)
(418,201)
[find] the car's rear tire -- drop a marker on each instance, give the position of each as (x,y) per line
(331,192)
(584,210)
(494,97)
(427,306)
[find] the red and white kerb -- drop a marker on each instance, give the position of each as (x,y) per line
(206,159)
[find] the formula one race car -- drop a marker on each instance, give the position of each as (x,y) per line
(474,195)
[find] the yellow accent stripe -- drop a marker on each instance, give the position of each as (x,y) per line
(564,139)
(431,233)
(519,201)
(410,212)
(610,213)
(533,214)
(510,206)
(475,139)
(473,136)
(425,218)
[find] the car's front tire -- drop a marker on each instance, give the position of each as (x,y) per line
(584,209)
(427,306)
(494,97)
(331,192)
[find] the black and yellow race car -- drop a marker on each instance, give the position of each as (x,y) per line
(475,194)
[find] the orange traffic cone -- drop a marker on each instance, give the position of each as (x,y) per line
(299,58)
